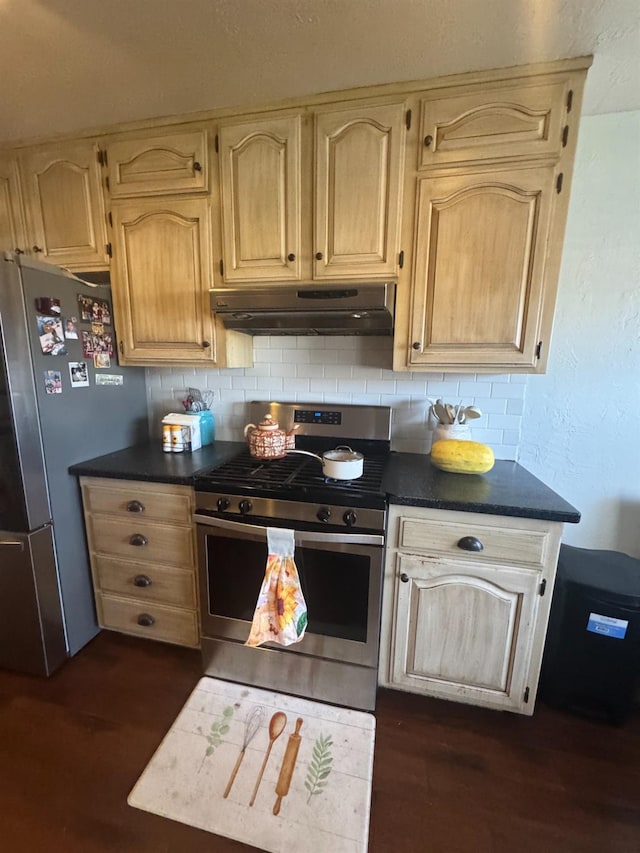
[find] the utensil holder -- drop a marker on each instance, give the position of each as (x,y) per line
(461,432)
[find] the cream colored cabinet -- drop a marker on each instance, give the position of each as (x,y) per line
(158,164)
(486,194)
(142,549)
(497,121)
(260,180)
(12,227)
(466,605)
(273,190)
(161,279)
(62,188)
(479,270)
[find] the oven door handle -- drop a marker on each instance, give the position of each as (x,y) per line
(300,536)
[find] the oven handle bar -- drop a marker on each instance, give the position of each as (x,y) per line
(300,537)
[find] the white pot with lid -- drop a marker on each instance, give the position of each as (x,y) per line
(343,463)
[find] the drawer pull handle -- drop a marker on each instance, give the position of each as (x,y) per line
(138,539)
(404,578)
(141,580)
(470,543)
(135,506)
(146,620)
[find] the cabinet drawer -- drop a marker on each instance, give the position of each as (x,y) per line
(136,500)
(175,587)
(170,163)
(158,543)
(499,544)
(167,623)
(492,122)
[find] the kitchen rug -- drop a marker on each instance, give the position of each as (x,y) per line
(264,768)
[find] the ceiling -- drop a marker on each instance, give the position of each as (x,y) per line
(69,65)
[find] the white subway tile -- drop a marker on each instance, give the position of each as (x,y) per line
(323,386)
(447,391)
(490,404)
(380,387)
(313,371)
(500,389)
(338,371)
(515,407)
(411,388)
(508,452)
(248,383)
(323,356)
(286,369)
(292,387)
(511,436)
(511,422)
(352,386)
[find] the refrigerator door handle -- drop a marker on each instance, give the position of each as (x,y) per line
(11,543)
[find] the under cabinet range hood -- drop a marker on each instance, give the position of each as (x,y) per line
(286,309)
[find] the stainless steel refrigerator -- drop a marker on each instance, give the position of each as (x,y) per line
(63,399)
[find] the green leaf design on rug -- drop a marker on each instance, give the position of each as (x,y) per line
(218,729)
(319,766)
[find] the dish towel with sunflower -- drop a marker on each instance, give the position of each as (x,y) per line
(281,612)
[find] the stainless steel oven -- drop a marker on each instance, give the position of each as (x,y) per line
(339,551)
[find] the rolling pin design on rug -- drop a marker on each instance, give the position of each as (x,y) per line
(288,765)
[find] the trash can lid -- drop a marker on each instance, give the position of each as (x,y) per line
(610,571)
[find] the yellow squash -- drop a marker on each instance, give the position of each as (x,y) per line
(462,457)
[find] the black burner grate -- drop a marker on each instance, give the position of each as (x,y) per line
(291,474)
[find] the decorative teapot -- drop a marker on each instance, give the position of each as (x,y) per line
(267,440)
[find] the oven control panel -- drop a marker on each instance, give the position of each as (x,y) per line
(314,416)
(290,512)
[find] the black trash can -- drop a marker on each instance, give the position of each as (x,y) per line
(591,662)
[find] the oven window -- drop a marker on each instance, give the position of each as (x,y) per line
(335,585)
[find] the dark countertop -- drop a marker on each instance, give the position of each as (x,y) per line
(410,480)
(150,463)
(508,489)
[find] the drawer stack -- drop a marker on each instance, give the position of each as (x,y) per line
(142,549)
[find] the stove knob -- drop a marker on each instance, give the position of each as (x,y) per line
(223,504)
(350,518)
(323,514)
(245,506)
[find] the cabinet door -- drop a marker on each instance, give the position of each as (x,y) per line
(12,231)
(156,165)
(161,280)
(359,162)
(260,176)
(465,632)
(65,211)
(479,268)
(493,121)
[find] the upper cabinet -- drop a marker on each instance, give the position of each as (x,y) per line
(260,182)
(62,187)
(359,155)
(299,207)
(158,164)
(492,122)
(486,194)
(12,229)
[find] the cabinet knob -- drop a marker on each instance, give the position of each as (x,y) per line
(146,620)
(142,580)
(404,578)
(18,251)
(291,256)
(319,256)
(138,539)
(205,344)
(197,167)
(470,543)
(416,345)
(135,506)
(427,141)
(36,249)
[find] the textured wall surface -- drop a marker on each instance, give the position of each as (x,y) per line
(93,63)
(581,423)
(345,370)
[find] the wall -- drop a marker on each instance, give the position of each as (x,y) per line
(580,431)
(346,370)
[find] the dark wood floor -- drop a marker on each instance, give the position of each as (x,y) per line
(448,778)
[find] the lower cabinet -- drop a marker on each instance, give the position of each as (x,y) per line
(142,549)
(466,605)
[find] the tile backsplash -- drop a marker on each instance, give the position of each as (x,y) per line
(345,370)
